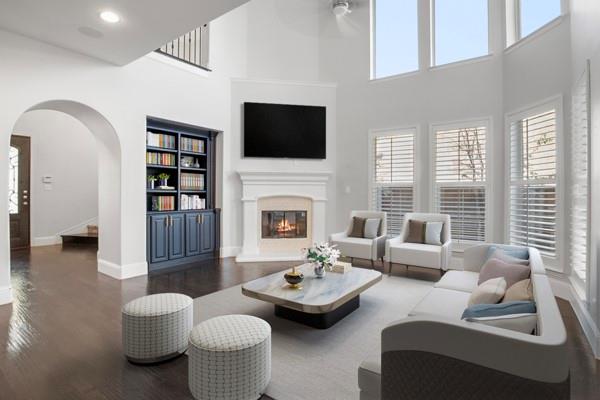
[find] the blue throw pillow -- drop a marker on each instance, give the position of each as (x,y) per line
(496,310)
(517,252)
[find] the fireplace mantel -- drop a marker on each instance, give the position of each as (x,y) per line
(257,185)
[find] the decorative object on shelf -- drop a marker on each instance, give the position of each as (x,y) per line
(294,278)
(341,267)
(186,161)
(151,180)
(196,163)
(323,256)
(164,179)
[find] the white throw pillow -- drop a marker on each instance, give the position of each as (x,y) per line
(433,233)
(525,323)
(489,292)
(371,228)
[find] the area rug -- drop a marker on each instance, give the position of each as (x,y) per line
(309,363)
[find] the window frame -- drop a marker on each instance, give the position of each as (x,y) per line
(432,52)
(375,133)
(556,103)
(513,35)
(462,124)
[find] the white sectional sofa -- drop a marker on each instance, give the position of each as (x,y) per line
(433,354)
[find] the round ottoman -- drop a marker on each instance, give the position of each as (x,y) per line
(157,327)
(230,358)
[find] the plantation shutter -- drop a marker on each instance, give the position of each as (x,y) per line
(579,217)
(393,176)
(533,200)
(460,181)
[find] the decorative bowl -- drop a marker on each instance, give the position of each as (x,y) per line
(294,278)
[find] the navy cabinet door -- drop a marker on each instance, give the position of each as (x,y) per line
(177,236)
(207,232)
(192,234)
(158,237)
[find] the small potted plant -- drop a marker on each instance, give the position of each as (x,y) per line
(322,256)
(164,178)
(151,180)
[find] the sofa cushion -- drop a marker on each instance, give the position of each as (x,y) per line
(354,247)
(443,302)
(371,228)
(518,316)
(416,231)
(433,232)
(489,292)
(465,281)
(421,255)
(512,251)
(520,291)
(358,227)
(502,256)
(494,268)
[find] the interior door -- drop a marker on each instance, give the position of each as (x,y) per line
(18,191)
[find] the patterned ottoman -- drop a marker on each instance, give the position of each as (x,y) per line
(157,327)
(230,358)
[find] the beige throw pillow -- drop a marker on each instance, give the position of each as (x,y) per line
(495,268)
(520,291)
(489,292)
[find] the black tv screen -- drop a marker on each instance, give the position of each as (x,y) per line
(284,131)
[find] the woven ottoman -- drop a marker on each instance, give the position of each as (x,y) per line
(230,358)
(157,327)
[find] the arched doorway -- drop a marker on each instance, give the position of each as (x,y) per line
(109,181)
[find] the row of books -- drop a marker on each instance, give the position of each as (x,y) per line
(191,181)
(195,145)
(161,159)
(163,203)
(193,202)
(160,140)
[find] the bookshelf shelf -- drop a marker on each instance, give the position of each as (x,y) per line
(183,224)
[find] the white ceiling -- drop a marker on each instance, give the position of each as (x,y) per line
(145,24)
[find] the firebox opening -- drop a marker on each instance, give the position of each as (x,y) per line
(283,224)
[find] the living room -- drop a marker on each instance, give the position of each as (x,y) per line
(331,121)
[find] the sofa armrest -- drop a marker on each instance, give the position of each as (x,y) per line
(378,249)
(539,358)
(446,255)
(389,243)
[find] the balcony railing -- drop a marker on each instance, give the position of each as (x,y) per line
(191,48)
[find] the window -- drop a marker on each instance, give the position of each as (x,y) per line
(460,179)
(580,181)
(392,175)
(395,38)
(523,17)
(532,192)
(460,30)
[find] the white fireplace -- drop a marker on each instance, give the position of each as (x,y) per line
(283,212)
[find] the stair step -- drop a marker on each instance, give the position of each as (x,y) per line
(80,238)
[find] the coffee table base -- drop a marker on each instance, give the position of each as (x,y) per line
(319,321)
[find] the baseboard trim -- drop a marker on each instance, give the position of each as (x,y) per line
(564,290)
(5,295)
(122,271)
(45,241)
(230,251)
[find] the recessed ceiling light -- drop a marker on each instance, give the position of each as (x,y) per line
(110,17)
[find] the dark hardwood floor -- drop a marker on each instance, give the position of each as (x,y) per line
(61,338)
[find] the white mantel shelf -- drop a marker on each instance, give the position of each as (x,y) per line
(263,184)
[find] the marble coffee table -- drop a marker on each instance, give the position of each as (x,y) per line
(320,303)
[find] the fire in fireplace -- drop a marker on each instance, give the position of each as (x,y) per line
(283,224)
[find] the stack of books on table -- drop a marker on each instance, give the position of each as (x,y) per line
(193,202)
(341,267)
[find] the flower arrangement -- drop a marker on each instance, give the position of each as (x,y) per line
(323,256)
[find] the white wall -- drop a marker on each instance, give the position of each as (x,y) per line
(65,149)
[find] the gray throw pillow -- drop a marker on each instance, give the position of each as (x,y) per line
(358,227)
(416,231)
(520,316)
(371,228)
(433,233)
(495,268)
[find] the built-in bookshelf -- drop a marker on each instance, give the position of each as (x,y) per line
(183,223)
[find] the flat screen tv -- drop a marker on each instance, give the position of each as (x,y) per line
(284,131)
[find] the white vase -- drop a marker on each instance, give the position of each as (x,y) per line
(319,270)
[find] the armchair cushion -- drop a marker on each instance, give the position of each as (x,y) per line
(422,255)
(371,229)
(354,247)
(358,227)
(416,231)
(433,232)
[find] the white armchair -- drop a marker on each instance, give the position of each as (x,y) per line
(368,249)
(421,255)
